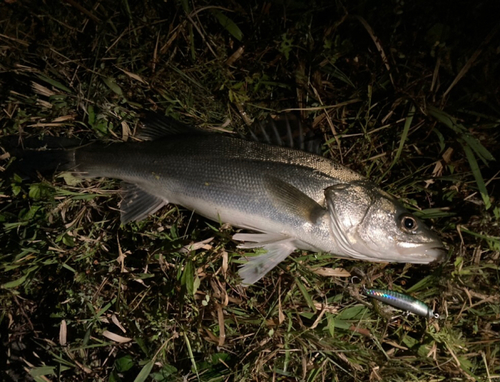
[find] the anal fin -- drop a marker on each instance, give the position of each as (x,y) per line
(137,204)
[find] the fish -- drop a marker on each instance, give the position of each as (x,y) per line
(401,301)
(288,199)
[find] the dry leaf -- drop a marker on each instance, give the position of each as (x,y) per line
(115,337)
(331,272)
(117,323)
(63,333)
(195,246)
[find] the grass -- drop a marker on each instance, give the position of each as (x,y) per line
(406,94)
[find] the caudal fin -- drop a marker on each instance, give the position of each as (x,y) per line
(45,156)
(29,163)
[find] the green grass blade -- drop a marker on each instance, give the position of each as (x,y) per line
(54,83)
(15,283)
(191,355)
(306,294)
(404,134)
(481,151)
(111,83)
(422,284)
(145,371)
(477,175)
(43,370)
(228,24)
(451,122)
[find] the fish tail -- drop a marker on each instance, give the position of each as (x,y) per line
(29,163)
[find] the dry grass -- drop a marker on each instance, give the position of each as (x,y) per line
(407,94)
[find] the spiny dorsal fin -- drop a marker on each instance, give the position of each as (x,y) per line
(285,130)
(158,126)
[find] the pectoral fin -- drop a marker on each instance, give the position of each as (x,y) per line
(258,240)
(278,248)
(137,203)
(289,198)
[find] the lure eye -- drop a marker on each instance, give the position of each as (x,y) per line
(409,223)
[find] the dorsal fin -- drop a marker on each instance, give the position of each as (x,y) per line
(285,130)
(158,126)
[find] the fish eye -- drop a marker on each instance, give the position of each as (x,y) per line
(409,223)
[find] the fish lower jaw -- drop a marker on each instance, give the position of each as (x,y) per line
(415,255)
(423,254)
(436,254)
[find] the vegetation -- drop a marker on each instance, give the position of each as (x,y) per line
(406,93)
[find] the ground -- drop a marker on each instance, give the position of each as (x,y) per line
(407,94)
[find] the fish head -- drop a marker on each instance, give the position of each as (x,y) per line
(369,224)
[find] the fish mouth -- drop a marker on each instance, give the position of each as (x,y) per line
(423,253)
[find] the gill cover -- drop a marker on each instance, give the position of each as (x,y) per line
(347,205)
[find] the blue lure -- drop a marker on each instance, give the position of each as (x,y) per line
(401,301)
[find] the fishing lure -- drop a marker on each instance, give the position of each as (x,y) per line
(401,301)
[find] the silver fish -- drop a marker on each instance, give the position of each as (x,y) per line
(291,199)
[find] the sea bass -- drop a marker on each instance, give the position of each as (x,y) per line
(291,199)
